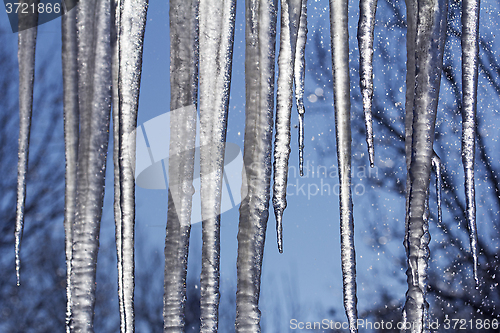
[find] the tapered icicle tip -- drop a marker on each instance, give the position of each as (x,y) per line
(18,263)
(436,161)
(369,135)
(475,264)
(371,156)
(474,268)
(18,235)
(279,229)
(301,111)
(367,108)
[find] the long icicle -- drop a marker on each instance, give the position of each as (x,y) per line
(431,28)
(411,35)
(115,28)
(299,80)
(366,26)
(132,23)
(216,42)
(71,134)
(94,93)
(254,209)
(341,91)
(470,60)
(26,57)
(290,20)
(183,100)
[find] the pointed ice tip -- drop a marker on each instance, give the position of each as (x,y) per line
(301,170)
(280,243)
(18,274)
(279,229)
(18,265)
(476,278)
(371,155)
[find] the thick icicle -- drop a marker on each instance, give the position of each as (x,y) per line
(366,26)
(115,27)
(132,22)
(470,54)
(436,162)
(341,96)
(26,58)
(254,209)
(216,52)
(290,17)
(94,93)
(411,35)
(183,97)
(299,79)
(431,30)
(71,134)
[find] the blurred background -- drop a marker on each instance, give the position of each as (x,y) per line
(305,282)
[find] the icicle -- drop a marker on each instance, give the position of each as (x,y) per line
(421,285)
(115,28)
(423,267)
(290,17)
(366,26)
(411,35)
(183,97)
(71,133)
(299,79)
(254,209)
(341,90)
(431,30)
(26,58)
(470,54)
(94,62)
(436,162)
(132,22)
(216,42)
